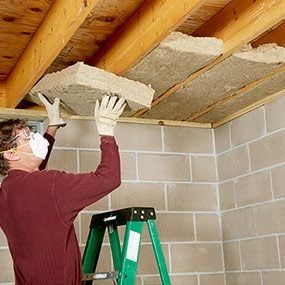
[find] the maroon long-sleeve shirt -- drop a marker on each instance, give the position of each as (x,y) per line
(37,210)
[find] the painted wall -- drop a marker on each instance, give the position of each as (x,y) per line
(198,180)
(251,171)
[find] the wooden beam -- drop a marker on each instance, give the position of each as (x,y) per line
(218,104)
(2,94)
(62,20)
(239,23)
(36,115)
(147,27)
(275,36)
(249,108)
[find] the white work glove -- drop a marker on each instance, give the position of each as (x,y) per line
(53,112)
(107,114)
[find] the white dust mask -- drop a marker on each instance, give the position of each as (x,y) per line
(39,145)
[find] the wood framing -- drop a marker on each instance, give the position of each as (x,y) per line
(248,109)
(62,20)
(218,104)
(148,26)
(237,24)
(2,94)
(40,115)
(275,36)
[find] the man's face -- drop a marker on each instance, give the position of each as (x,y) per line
(23,148)
(22,139)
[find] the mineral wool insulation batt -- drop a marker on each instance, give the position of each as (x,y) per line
(80,85)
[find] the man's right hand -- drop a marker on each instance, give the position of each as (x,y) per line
(107,114)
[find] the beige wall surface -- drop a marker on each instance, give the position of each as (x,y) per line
(219,196)
(172,169)
(251,172)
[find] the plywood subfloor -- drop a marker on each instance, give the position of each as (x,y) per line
(19,20)
(107,18)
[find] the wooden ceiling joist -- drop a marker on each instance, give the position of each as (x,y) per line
(2,94)
(219,104)
(248,109)
(147,27)
(239,23)
(275,36)
(62,20)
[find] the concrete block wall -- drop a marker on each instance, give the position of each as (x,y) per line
(170,168)
(251,171)
(219,195)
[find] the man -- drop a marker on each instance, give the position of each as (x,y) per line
(38,207)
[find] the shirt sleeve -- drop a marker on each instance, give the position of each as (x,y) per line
(73,192)
(51,143)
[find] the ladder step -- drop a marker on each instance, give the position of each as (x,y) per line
(121,217)
(101,276)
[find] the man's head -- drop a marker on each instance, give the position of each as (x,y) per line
(19,147)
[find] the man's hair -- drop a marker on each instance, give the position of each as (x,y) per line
(8,131)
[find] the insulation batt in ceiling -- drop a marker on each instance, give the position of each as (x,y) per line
(80,85)
(225,78)
(175,58)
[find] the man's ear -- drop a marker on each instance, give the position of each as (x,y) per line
(11,155)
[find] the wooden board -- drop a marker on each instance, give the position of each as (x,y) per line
(250,95)
(249,108)
(276,36)
(108,17)
(58,26)
(40,115)
(105,19)
(204,13)
(19,21)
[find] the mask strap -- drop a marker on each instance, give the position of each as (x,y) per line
(13,148)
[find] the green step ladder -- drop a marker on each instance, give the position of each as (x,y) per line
(125,259)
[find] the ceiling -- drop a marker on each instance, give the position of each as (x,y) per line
(45,36)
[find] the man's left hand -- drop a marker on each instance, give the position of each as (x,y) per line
(53,111)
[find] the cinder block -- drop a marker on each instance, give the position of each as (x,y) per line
(227,195)
(243,278)
(275,115)
(202,257)
(267,151)
(160,167)
(132,194)
(273,277)
(270,217)
(208,227)
(259,253)
(253,188)
(231,256)
(248,127)
(238,224)
(233,163)
(78,86)
(213,279)
(192,197)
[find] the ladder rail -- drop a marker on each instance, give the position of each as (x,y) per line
(92,251)
(160,261)
(115,247)
(130,253)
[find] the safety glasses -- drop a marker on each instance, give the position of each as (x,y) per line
(23,135)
